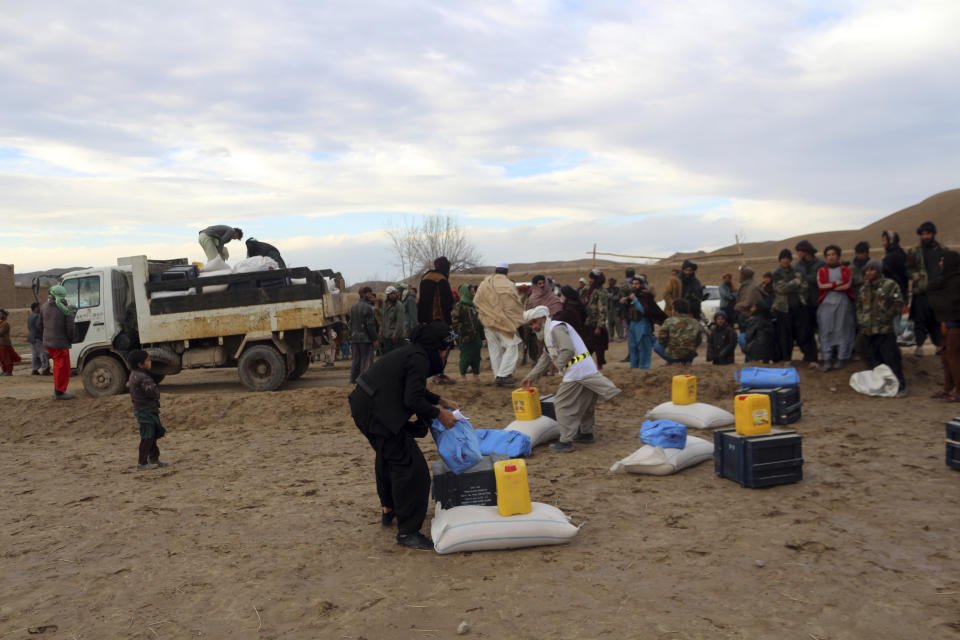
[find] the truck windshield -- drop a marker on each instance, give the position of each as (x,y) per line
(83,293)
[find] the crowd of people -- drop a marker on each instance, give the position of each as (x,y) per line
(831,309)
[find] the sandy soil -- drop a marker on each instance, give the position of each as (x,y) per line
(266,524)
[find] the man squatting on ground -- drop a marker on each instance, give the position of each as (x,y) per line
(576,397)
(386,396)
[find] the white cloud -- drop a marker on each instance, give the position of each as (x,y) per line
(787,114)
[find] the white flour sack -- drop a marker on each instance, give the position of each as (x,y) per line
(541,431)
(660,461)
(697,415)
(473,528)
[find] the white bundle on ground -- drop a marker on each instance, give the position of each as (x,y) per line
(475,528)
(879,381)
(256,263)
(541,430)
(697,415)
(660,461)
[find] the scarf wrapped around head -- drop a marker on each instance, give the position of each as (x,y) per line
(537,312)
(466,295)
(433,337)
(597,280)
(58,293)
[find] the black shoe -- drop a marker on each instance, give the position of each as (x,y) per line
(63,395)
(47,372)
(505,382)
(562,447)
(415,541)
(159,463)
(386,517)
(35,372)
(586,438)
(627,359)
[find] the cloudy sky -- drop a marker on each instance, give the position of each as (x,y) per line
(545,126)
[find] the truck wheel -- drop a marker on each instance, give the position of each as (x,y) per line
(262,368)
(300,365)
(104,376)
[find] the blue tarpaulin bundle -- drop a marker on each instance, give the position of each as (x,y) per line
(504,442)
(664,433)
(766,377)
(458,446)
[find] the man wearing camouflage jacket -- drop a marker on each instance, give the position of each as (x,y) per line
(878,302)
(679,337)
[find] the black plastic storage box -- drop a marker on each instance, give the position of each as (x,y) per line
(477,485)
(785,404)
(953,444)
(546,406)
(180,272)
(758,461)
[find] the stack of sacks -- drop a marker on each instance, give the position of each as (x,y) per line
(667,449)
(216,267)
(697,415)
(256,263)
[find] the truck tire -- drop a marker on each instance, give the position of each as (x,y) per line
(262,368)
(104,376)
(300,366)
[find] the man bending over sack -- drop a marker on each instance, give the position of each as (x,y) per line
(576,397)
(388,393)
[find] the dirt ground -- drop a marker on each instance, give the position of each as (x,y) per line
(266,523)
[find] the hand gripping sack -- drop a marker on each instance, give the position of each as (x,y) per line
(504,442)
(766,378)
(458,446)
(879,381)
(698,415)
(663,461)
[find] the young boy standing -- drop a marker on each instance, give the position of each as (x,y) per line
(145,395)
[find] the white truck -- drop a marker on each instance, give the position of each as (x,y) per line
(266,323)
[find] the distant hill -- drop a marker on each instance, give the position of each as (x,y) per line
(26,279)
(943,209)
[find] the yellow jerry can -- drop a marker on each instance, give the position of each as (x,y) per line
(751,412)
(526,404)
(513,488)
(684,389)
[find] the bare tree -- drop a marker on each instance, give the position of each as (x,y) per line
(418,242)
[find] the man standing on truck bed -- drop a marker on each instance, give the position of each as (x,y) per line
(214,238)
(257,248)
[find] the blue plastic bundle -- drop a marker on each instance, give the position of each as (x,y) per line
(767,378)
(504,442)
(664,433)
(458,446)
